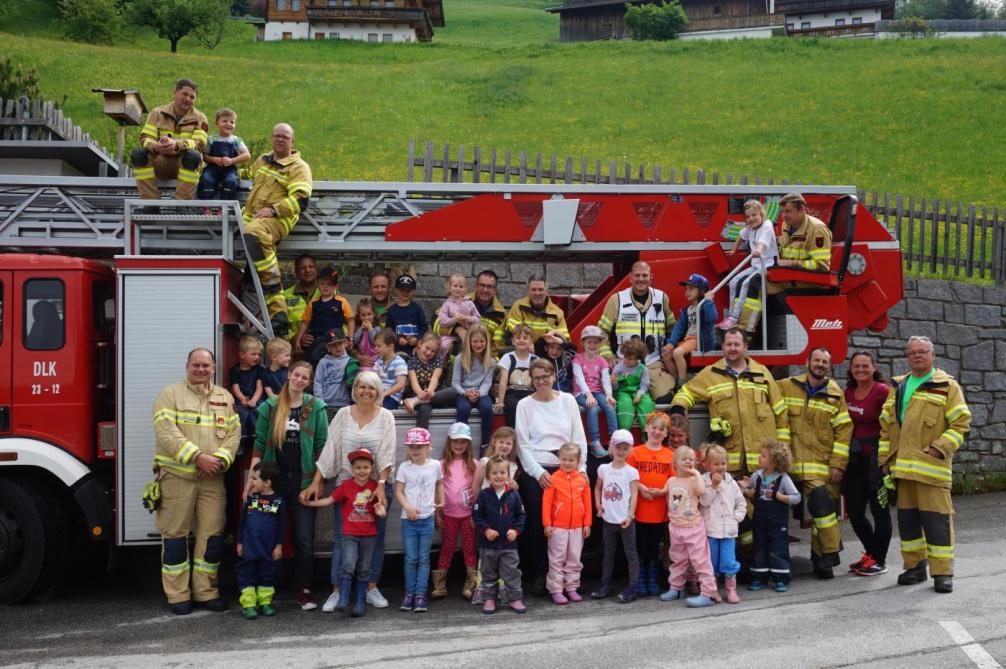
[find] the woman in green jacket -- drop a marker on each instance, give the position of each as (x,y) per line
(291,431)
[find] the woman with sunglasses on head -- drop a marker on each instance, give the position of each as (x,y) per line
(545,421)
(865,393)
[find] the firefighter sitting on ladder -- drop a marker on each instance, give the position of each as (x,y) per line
(197,433)
(821,431)
(745,409)
(281,188)
(643,312)
(922,425)
(172,141)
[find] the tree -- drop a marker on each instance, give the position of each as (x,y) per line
(15,82)
(661,21)
(7,7)
(209,33)
(174,19)
(91,20)
(912,26)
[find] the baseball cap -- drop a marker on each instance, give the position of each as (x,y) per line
(417,436)
(697,280)
(334,335)
(359,453)
(621,437)
(460,431)
(405,281)
(330,274)
(591,331)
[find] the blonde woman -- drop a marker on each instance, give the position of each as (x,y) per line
(291,431)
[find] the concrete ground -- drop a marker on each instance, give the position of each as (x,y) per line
(119,620)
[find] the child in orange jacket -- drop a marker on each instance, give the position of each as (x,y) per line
(565,513)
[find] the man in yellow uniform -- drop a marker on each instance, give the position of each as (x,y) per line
(172,143)
(922,424)
(805,242)
(641,311)
(538,312)
(197,432)
(281,189)
(491,310)
(821,431)
(301,294)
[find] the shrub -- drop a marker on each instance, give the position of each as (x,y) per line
(91,20)
(912,26)
(656,21)
(15,82)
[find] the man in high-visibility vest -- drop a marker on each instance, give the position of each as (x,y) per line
(641,311)
(171,145)
(299,295)
(821,431)
(196,434)
(922,424)
(281,189)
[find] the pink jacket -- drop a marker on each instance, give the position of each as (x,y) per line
(722,508)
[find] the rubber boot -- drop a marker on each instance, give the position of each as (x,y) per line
(469,588)
(439,590)
(730,585)
(653,578)
(345,588)
(359,600)
(648,579)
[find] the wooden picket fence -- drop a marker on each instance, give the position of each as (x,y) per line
(938,238)
(37,120)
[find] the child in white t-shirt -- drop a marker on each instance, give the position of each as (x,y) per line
(615,496)
(759,235)
(419,488)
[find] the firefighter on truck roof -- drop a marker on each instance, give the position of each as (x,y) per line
(745,409)
(197,434)
(281,189)
(821,430)
(641,311)
(172,143)
(922,424)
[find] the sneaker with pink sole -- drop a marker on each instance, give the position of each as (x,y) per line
(573,596)
(559,598)
(727,323)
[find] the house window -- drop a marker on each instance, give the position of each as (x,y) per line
(333,36)
(804,25)
(716,11)
(281,5)
(839,22)
(372,37)
(295,5)
(375,3)
(44,315)
(790,27)
(857,20)
(287,35)
(319,35)
(387,37)
(389,3)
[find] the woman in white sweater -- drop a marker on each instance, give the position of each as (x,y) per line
(546,420)
(364,424)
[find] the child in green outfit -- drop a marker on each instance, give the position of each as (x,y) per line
(632,380)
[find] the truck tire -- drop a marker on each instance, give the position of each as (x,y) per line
(33,539)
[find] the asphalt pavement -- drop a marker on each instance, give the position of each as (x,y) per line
(119,620)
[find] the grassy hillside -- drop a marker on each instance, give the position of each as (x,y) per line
(914,116)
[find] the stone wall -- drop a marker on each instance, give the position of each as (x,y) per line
(967,325)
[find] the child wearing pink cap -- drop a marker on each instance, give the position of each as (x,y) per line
(419,488)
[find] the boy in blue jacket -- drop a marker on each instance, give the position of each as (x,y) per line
(499,517)
(694,326)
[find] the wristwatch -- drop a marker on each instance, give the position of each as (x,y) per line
(382,482)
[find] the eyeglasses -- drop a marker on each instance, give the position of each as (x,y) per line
(487,286)
(541,379)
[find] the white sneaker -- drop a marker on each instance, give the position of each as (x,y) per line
(376,599)
(330,603)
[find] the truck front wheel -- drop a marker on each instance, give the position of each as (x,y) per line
(32,539)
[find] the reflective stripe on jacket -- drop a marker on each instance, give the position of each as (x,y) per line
(820,426)
(189,420)
(282,184)
(809,245)
(189,131)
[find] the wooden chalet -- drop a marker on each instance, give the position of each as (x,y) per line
(586,20)
(365,20)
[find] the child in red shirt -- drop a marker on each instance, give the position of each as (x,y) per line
(359,508)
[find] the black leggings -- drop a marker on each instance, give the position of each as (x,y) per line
(532,542)
(859,485)
(648,538)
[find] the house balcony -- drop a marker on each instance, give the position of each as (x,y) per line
(735,22)
(418,18)
(791,7)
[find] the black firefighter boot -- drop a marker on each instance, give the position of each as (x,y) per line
(944,584)
(913,576)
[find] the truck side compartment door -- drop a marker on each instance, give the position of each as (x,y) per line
(6,344)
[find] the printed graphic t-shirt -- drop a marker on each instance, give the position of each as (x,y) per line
(654,468)
(616,491)
(357,507)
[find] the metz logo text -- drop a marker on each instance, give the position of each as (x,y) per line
(825,324)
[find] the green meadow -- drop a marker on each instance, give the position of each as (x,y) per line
(920,117)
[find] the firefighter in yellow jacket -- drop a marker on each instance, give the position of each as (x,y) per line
(281,189)
(197,434)
(538,312)
(172,143)
(821,431)
(922,424)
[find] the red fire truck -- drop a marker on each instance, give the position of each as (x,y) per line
(99,305)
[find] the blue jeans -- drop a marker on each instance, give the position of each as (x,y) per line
(417,537)
(377,561)
(391,403)
(485,406)
(723,555)
(611,417)
(216,179)
(357,553)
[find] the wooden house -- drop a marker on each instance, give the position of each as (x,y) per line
(365,20)
(584,20)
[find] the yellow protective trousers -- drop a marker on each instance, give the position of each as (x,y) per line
(925,523)
(182,502)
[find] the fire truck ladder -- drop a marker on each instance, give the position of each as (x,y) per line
(139,213)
